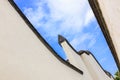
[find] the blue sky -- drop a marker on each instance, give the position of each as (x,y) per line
(72,19)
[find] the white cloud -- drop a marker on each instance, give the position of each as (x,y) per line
(86,40)
(92,42)
(68,17)
(35,15)
(89,17)
(102,60)
(71,13)
(83,41)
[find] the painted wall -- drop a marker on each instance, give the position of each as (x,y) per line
(76,60)
(85,61)
(111,13)
(94,68)
(23,56)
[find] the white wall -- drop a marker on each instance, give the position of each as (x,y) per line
(76,60)
(111,13)
(87,63)
(23,56)
(94,68)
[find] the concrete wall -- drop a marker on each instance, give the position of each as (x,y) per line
(110,10)
(85,61)
(23,56)
(94,68)
(76,60)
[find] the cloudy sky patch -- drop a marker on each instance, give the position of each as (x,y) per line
(72,19)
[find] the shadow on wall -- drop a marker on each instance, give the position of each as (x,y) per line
(84,60)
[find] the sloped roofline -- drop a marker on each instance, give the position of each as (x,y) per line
(42,39)
(99,15)
(46,44)
(62,39)
(89,53)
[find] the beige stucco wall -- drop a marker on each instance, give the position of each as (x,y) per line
(111,13)
(94,68)
(23,56)
(91,68)
(76,60)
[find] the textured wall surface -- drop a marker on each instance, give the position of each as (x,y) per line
(94,68)
(111,13)
(85,61)
(22,55)
(76,60)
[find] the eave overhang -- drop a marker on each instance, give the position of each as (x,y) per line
(99,15)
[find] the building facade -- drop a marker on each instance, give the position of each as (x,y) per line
(107,13)
(24,55)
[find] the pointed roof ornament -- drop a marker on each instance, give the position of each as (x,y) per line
(61,39)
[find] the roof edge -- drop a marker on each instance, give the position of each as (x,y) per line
(99,16)
(89,53)
(43,40)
